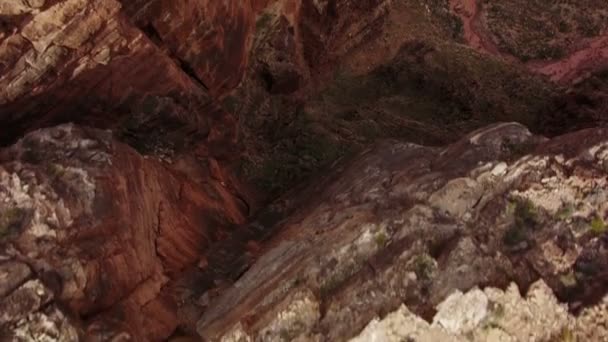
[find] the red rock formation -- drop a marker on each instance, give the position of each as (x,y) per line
(210,39)
(85,61)
(94,233)
(405,224)
(103,229)
(99,241)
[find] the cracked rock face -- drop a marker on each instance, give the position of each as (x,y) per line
(153,65)
(84,61)
(410,226)
(88,223)
(403,241)
(198,33)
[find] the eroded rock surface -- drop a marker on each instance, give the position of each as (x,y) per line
(409,225)
(493,315)
(85,61)
(210,39)
(88,223)
(144,231)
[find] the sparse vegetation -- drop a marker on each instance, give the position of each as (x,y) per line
(294,160)
(543,29)
(526,214)
(497,309)
(55,170)
(568,280)
(328,285)
(525,220)
(515,236)
(566,335)
(381,238)
(263,21)
(490,325)
(424,267)
(11,220)
(565,212)
(444,18)
(598,226)
(431,92)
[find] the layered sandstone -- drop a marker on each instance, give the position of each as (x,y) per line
(90,224)
(84,61)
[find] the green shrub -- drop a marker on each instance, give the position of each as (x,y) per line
(598,226)
(381,238)
(525,217)
(424,266)
(11,220)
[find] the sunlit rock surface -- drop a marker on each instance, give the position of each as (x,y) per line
(410,225)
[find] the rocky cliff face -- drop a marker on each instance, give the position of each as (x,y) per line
(301,170)
(91,225)
(408,224)
(101,230)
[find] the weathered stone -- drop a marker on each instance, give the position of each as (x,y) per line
(12,274)
(408,224)
(104,229)
(489,315)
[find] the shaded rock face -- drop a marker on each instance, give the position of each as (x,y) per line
(88,223)
(124,65)
(300,40)
(210,39)
(140,231)
(83,61)
(330,28)
(408,224)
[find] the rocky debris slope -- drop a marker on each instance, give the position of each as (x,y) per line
(493,315)
(96,241)
(89,226)
(405,224)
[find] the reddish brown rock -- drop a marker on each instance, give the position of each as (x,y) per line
(330,29)
(210,39)
(84,61)
(103,230)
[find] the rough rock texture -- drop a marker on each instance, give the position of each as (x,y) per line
(332,28)
(141,231)
(84,61)
(154,64)
(88,223)
(210,39)
(492,315)
(407,224)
